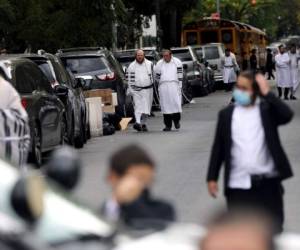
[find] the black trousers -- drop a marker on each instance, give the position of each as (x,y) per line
(286,92)
(270,73)
(265,195)
(170,118)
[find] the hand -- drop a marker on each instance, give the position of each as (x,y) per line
(263,84)
(128,190)
(213,188)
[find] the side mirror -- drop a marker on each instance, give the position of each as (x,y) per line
(80,83)
(185,67)
(61,91)
(206,63)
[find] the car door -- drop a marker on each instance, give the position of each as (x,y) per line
(49,107)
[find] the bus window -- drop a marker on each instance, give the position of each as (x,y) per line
(191,38)
(227,36)
(209,37)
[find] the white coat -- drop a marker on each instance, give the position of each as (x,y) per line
(169,77)
(14,129)
(229,67)
(140,81)
(295,70)
(283,70)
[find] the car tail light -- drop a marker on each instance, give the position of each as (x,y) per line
(107,77)
(24,102)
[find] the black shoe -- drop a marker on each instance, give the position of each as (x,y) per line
(137,127)
(293,97)
(167,129)
(152,114)
(144,128)
(177,125)
(286,98)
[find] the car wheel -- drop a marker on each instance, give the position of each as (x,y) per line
(35,155)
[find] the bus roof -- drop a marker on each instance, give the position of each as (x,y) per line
(225,23)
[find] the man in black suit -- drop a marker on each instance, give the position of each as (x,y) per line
(130,176)
(247,141)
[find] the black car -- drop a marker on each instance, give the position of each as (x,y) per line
(46,111)
(74,102)
(100,70)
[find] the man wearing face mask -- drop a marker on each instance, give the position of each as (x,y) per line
(248,143)
(140,80)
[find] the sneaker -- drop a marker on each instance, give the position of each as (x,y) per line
(167,129)
(177,125)
(144,128)
(137,127)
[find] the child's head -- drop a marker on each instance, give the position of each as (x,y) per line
(133,161)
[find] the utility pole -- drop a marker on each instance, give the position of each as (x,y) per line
(218,7)
(158,25)
(114,28)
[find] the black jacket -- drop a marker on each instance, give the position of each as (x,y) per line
(273,113)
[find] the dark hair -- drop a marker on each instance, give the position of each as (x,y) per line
(280,46)
(227,50)
(250,75)
(126,157)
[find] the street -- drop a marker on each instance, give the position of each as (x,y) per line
(182,159)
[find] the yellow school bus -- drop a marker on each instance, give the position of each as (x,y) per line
(240,38)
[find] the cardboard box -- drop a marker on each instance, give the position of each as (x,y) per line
(105,94)
(109,109)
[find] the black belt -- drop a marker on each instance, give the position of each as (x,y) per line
(139,88)
(258,179)
(228,66)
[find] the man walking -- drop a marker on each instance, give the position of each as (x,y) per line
(253,60)
(270,64)
(230,67)
(140,80)
(294,56)
(283,72)
(247,141)
(169,74)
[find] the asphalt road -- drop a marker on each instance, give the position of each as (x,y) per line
(182,159)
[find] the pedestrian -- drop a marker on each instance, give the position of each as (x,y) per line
(140,82)
(14,127)
(283,72)
(130,175)
(247,141)
(230,68)
(270,64)
(169,75)
(240,230)
(294,57)
(253,60)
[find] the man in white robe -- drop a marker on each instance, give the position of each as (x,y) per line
(169,74)
(229,67)
(295,57)
(283,72)
(140,81)
(14,129)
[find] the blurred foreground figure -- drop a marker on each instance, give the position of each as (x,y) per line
(247,141)
(140,80)
(239,231)
(169,75)
(14,129)
(130,176)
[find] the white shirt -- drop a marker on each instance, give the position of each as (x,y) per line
(142,77)
(169,72)
(249,153)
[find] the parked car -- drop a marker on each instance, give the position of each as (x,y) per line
(46,112)
(194,71)
(213,54)
(101,70)
(74,102)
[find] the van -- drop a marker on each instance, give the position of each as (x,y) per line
(213,54)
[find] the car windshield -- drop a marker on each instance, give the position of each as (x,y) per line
(46,68)
(199,52)
(79,65)
(211,53)
(126,59)
(183,54)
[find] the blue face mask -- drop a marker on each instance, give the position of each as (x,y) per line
(242,98)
